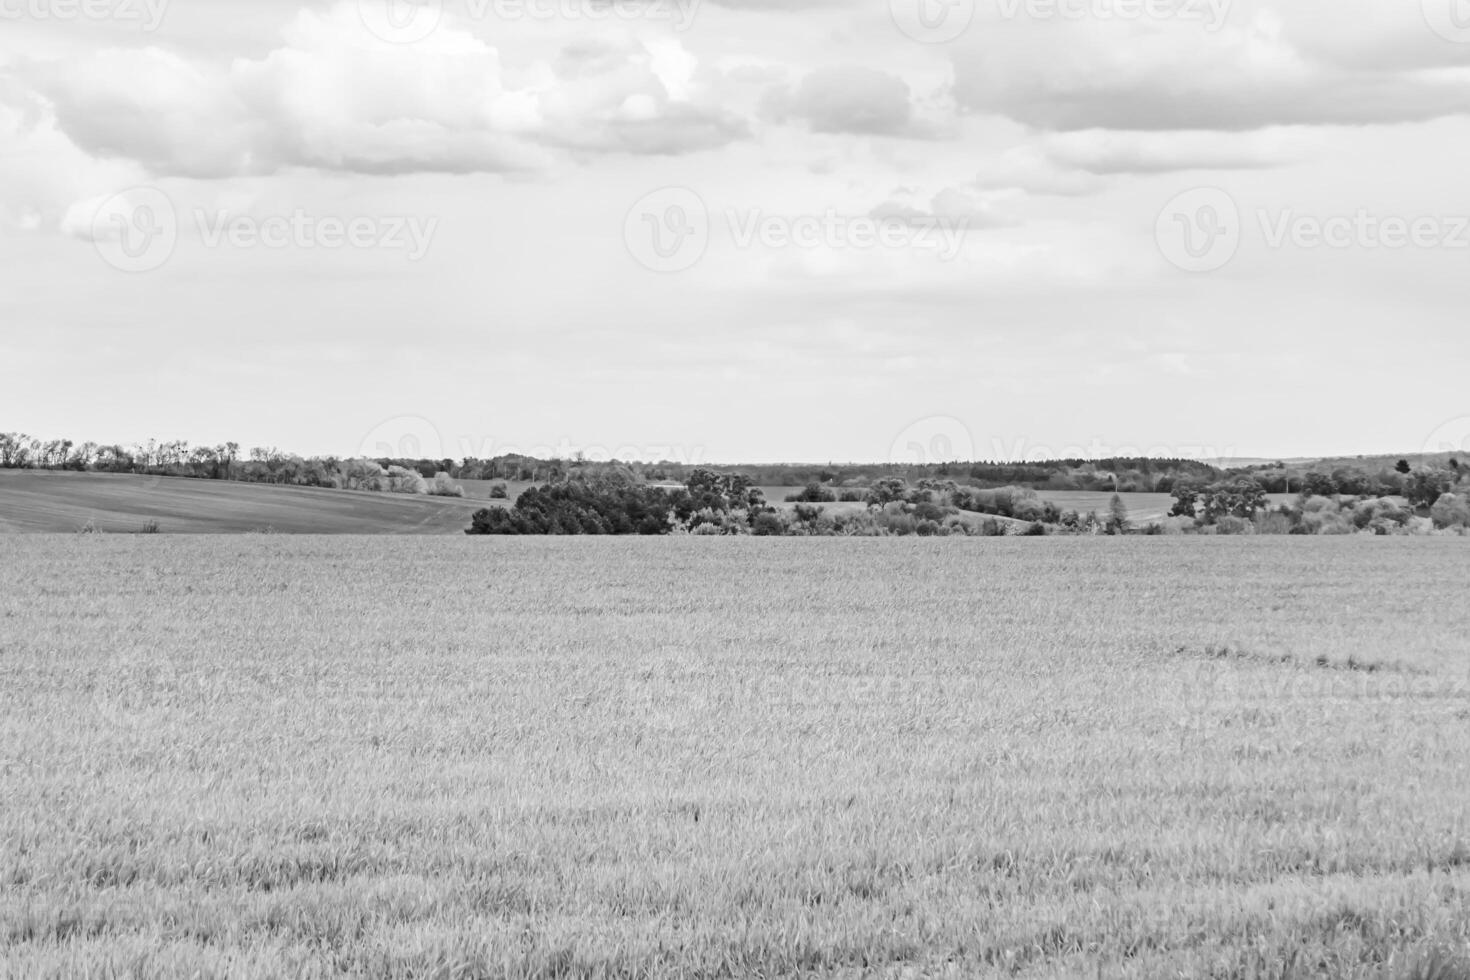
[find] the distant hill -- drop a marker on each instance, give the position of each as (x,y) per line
(40,501)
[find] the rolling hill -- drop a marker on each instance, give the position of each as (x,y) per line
(39,501)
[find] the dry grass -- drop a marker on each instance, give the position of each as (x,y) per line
(298,757)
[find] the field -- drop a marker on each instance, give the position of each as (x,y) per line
(301,757)
(40,501)
(1143,508)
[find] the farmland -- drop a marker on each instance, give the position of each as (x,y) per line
(40,501)
(267,756)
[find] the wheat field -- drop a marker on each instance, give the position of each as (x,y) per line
(320,757)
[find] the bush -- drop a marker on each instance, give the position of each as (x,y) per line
(1451,510)
(398,479)
(768,525)
(444,486)
(499,491)
(814,493)
(1276,522)
(1230,524)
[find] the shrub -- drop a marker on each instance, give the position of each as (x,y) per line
(768,525)
(401,480)
(1451,510)
(499,491)
(1276,522)
(1318,505)
(814,493)
(360,474)
(444,486)
(1230,524)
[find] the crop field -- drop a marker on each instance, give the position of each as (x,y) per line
(1143,508)
(37,501)
(725,757)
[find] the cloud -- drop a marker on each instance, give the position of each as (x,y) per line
(954,207)
(850,100)
(42,170)
(1108,152)
(334,97)
(1067,75)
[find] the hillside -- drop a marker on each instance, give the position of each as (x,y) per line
(39,501)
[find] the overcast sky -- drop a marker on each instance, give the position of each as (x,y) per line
(738,230)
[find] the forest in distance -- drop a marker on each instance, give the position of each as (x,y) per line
(961,498)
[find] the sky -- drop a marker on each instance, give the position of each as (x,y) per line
(738,230)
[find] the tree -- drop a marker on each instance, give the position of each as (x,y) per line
(887,491)
(1186,499)
(1403,467)
(444,486)
(1118,521)
(1426,484)
(1318,485)
(1241,497)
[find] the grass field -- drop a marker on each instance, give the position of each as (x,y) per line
(303,757)
(1143,508)
(41,501)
